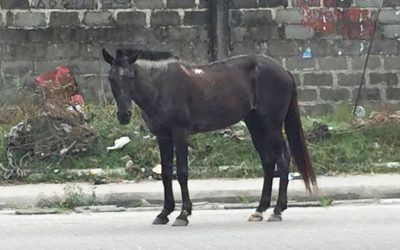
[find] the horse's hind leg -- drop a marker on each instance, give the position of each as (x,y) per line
(166,153)
(269,143)
(283,168)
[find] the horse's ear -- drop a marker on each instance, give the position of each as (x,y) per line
(132,58)
(107,57)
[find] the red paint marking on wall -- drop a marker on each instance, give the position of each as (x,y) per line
(355,23)
(321,20)
(351,23)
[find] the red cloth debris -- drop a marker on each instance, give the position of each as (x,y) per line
(60,83)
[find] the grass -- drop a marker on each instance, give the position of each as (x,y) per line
(227,153)
(73,197)
(325,201)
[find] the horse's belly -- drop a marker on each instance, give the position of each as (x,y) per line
(220,118)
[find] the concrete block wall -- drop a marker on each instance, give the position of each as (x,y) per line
(37,35)
(337,32)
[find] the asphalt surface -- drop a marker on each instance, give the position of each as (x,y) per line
(338,227)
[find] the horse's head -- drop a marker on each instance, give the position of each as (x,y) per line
(122,77)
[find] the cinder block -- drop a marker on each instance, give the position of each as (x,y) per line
(64,19)
(298,32)
(30,20)
(98,19)
(318,79)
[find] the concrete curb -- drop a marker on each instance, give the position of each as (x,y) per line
(224,191)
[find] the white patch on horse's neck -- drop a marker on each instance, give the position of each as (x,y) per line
(161,64)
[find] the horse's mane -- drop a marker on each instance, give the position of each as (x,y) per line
(150,55)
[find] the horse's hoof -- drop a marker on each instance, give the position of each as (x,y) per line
(180,223)
(275,217)
(257,216)
(160,221)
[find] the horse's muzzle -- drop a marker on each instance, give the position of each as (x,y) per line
(124,118)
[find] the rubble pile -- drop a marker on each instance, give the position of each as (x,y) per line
(57,129)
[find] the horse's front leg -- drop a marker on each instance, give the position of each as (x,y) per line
(167,155)
(180,137)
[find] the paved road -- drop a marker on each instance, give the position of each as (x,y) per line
(342,227)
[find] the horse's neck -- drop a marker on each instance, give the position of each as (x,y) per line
(146,88)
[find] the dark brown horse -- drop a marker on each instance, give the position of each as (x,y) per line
(178,100)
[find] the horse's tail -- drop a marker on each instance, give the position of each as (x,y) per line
(295,134)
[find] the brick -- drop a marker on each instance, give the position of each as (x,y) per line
(84,67)
(30,20)
(298,32)
(371,94)
(256,17)
(98,19)
(388,16)
(289,16)
(14,4)
(90,50)
(391,3)
(58,35)
(319,48)
(333,63)
(112,4)
(131,18)
(64,4)
(334,95)
(368,4)
(391,63)
(257,33)
(180,4)
(64,19)
(389,79)
(242,4)
(318,79)
(9,18)
(391,31)
(386,47)
(18,51)
(272,3)
(195,18)
(235,18)
(165,18)
(349,79)
(338,3)
(352,47)
(242,48)
(46,65)
(186,34)
(16,68)
(298,63)
(62,51)
(317,109)
(393,94)
(306,3)
(13,36)
(357,47)
(94,88)
(149,4)
(283,48)
(358,62)
(307,95)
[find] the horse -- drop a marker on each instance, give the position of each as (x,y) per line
(178,99)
